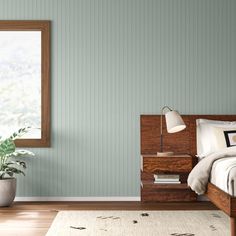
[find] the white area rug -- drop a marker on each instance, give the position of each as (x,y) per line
(140,223)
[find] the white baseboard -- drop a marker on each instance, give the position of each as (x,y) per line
(77,199)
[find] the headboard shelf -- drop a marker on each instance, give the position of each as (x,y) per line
(181,142)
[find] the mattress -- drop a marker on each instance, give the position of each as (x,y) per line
(223,175)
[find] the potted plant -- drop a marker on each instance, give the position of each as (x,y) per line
(9,166)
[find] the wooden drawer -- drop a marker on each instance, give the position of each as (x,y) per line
(168,196)
(180,164)
(166,192)
(152,164)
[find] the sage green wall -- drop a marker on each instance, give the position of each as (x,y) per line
(113,60)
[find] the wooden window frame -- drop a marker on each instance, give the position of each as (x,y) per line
(44,27)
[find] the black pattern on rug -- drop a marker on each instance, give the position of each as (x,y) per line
(144,214)
(108,217)
(213,228)
(216,215)
(77,227)
(184,234)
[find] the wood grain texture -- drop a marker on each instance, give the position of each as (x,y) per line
(44,27)
(233,206)
(181,142)
(176,164)
(153,164)
(168,195)
(219,198)
(232,226)
(149,185)
(150,136)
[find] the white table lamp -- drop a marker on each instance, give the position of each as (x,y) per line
(174,123)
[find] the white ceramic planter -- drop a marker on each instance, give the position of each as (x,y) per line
(7,191)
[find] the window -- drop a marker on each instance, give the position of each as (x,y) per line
(24,81)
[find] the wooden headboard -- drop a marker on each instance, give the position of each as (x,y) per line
(181,142)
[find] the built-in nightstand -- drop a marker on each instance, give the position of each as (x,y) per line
(176,164)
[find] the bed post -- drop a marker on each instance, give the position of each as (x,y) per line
(233,226)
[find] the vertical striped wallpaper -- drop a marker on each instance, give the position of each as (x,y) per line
(112,61)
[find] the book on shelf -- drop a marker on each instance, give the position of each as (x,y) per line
(167,176)
(167,182)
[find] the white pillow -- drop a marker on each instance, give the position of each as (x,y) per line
(222,136)
(207,140)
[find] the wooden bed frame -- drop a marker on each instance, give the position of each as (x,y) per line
(185,142)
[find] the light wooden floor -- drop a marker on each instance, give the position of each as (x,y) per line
(34,219)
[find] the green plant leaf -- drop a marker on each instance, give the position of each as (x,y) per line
(9,166)
(13,170)
(19,133)
(19,163)
(7,147)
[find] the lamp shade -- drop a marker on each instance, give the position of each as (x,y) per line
(174,122)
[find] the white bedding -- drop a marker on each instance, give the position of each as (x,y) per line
(201,173)
(217,159)
(223,174)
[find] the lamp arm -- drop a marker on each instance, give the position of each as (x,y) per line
(161,128)
(165,107)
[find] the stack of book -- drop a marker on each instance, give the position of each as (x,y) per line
(166,179)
